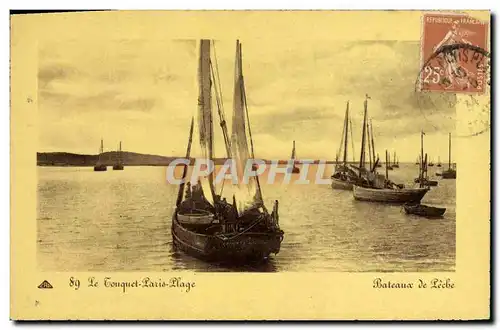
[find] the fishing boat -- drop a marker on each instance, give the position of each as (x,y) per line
(424,210)
(450,173)
(439,162)
(374,187)
(431,164)
(100,167)
(388,164)
(343,176)
(395,163)
(423,176)
(119,159)
(293,168)
(381,195)
(206,226)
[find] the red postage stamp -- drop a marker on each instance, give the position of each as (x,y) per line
(453,53)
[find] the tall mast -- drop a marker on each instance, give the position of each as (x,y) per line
(184,172)
(421,154)
(243,97)
(449,152)
(373,143)
(425,173)
(101,150)
(386,165)
(352,141)
(363,139)
(220,103)
(205,108)
(120,149)
(293,151)
(369,145)
(346,129)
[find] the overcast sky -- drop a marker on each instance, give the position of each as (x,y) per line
(144,92)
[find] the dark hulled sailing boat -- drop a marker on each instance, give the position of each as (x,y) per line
(119,159)
(374,187)
(344,177)
(100,167)
(293,168)
(423,177)
(216,229)
(395,161)
(450,173)
(439,162)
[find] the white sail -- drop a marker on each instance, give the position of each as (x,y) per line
(248,195)
(205,116)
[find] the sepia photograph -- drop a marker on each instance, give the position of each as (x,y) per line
(243,153)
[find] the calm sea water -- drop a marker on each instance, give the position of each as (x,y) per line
(120,221)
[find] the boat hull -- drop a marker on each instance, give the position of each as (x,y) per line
(117,167)
(449,174)
(249,246)
(395,196)
(431,183)
(100,168)
(425,211)
(341,184)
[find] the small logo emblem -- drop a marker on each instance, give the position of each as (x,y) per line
(45,285)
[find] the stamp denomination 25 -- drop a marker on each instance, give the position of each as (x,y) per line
(453,54)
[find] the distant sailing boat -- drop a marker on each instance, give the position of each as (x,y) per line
(293,169)
(395,163)
(423,177)
(388,165)
(431,163)
(119,159)
(217,229)
(374,187)
(439,162)
(344,177)
(100,167)
(450,173)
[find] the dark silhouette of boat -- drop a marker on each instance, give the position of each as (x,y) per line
(423,173)
(100,167)
(293,168)
(395,163)
(424,210)
(450,173)
(216,229)
(119,159)
(374,187)
(344,177)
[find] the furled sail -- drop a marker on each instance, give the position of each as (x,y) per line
(248,195)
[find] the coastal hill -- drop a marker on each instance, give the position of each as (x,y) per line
(109,158)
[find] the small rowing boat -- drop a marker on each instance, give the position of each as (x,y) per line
(424,210)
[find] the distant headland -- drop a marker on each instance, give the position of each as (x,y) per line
(109,159)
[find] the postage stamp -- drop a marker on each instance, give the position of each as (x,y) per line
(454,53)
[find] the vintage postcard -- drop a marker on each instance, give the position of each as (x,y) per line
(250,165)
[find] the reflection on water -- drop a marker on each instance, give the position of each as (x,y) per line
(120,221)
